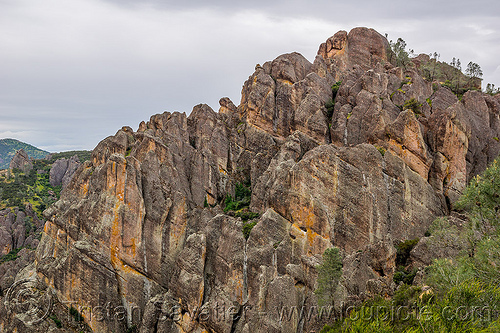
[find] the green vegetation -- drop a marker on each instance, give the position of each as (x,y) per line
(397,53)
(242,196)
(414,105)
(381,150)
(335,89)
(473,70)
(330,105)
(491,90)
(56,320)
(12,255)
(329,276)
(76,315)
(451,75)
(18,188)
(133,329)
(238,207)
(247,228)
(403,250)
(83,155)
(8,148)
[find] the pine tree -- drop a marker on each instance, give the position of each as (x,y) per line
(329,276)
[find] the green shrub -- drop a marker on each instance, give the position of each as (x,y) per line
(329,276)
(406,295)
(481,198)
(404,275)
(76,315)
(412,104)
(330,107)
(56,320)
(335,89)
(246,215)
(403,250)
(133,329)
(11,256)
(247,228)
(381,150)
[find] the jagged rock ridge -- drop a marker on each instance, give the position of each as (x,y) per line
(140,226)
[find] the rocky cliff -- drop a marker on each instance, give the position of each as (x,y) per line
(62,171)
(141,229)
(21,161)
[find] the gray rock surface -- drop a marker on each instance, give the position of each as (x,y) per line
(62,171)
(141,225)
(21,161)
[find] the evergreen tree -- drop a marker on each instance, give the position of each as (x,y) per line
(329,276)
(401,56)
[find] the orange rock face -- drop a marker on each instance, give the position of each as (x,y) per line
(142,225)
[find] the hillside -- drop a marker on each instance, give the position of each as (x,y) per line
(24,195)
(8,148)
(349,166)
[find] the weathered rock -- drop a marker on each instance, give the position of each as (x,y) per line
(62,171)
(288,96)
(5,241)
(21,161)
(482,114)
(362,46)
(347,196)
(446,241)
(141,226)
(406,140)
(363,107)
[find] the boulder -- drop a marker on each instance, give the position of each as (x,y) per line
(21,161)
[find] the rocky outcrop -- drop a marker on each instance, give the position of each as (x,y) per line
(19,237)
(13,229)
(141,226)
(21,161)
(361,47)
(62,171)
(287,95)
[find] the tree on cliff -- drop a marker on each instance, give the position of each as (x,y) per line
(398,54)
(329,275)
(473,70)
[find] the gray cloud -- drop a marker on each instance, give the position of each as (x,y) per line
(75,71)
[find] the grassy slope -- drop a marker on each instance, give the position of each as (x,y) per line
(8,148)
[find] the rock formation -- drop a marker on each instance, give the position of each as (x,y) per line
(62,171)
(21,161)
(14,235)
(141,228)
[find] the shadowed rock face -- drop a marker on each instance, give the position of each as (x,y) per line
(140,226)
(63,170)
(21,161)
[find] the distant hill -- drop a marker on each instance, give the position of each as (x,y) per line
(8,148)
(83,155)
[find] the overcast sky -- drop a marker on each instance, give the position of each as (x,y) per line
(75,71)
